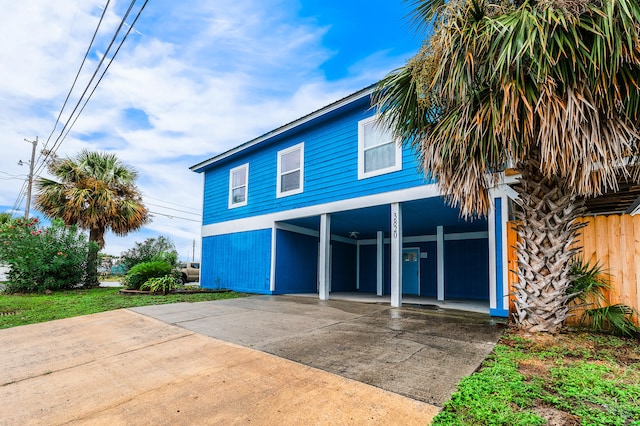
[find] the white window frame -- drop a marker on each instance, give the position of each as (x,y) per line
(398,151)
(279,192)
(233,205)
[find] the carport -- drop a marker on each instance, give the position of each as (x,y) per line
(415,248)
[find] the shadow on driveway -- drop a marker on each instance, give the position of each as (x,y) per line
(417,352)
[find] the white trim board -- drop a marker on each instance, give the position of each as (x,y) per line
(480,235)
(265,221)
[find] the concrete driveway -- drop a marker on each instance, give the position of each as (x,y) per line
(381,365)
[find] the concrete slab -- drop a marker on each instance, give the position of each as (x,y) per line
(121,367)
(416,352)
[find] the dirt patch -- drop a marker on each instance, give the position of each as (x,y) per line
(555,417)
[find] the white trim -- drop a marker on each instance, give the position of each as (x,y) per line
(244,166)
(300,189)
(505,254)
(440,262)
(379,262)
(266,221)
(362,174)
(324,257)
(272,275)
(396,255)
(479,235)
(310,232)
(310,117)
(491,219)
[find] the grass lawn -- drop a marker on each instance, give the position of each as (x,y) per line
(33,308)
(576,378)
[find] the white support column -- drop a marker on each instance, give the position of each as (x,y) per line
(440,261)
(491,227)
(324,272)
(272,277)
(396,255)
(379,262)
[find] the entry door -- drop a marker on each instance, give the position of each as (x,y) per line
(411,271)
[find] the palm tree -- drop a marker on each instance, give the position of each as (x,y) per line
(550,88)
(94,191)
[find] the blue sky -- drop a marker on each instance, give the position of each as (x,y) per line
(194,79)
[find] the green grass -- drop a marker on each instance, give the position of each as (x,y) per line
(25,309)
(575,378)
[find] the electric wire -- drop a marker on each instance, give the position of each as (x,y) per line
(175,217)
(62,135)
(169,208)
(99,80)
(75,80)
(169,202)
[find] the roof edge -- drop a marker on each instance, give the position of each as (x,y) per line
(199,167)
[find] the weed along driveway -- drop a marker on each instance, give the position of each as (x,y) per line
(232,361)
(417,352)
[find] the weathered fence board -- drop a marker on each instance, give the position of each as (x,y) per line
(614,242)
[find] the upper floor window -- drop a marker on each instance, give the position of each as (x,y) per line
(378,151)
(238,186)
(290,170)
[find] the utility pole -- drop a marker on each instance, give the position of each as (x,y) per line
(31,166)
(193,254)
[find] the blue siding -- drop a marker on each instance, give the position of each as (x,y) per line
(240,261)
(368,268)
(296,263)
(466,269)
(343,266)
(330,171)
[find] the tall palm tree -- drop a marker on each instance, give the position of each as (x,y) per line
(550,88)
(94,191)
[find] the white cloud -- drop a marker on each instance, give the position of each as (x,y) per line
(208,75)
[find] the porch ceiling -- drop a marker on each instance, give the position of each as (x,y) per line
(420,217)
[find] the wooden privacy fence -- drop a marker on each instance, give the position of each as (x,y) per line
(614,241)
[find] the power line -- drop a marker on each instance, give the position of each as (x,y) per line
(68,127)
(175,217)
(99,80)
(169,202)
(177,210)
(75,80)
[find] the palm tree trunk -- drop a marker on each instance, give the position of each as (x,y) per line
(547,230)
(91,278)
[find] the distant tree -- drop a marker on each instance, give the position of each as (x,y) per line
(5,218)
(151,250)
(94,191)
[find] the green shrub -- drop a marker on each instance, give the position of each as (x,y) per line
(142,272)
(162,284)
(587,290)
(41,258)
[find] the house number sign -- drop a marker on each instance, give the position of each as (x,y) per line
(395,225)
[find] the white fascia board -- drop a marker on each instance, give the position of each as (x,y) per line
(266,221)
(280,130)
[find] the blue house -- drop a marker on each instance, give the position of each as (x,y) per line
(332,203)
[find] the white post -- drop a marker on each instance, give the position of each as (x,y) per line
(491,228)
(396,255)
(379,262)
(440,262)
(324,274)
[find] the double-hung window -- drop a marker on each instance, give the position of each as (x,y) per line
(238,186)
(378,151)
(290,170)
